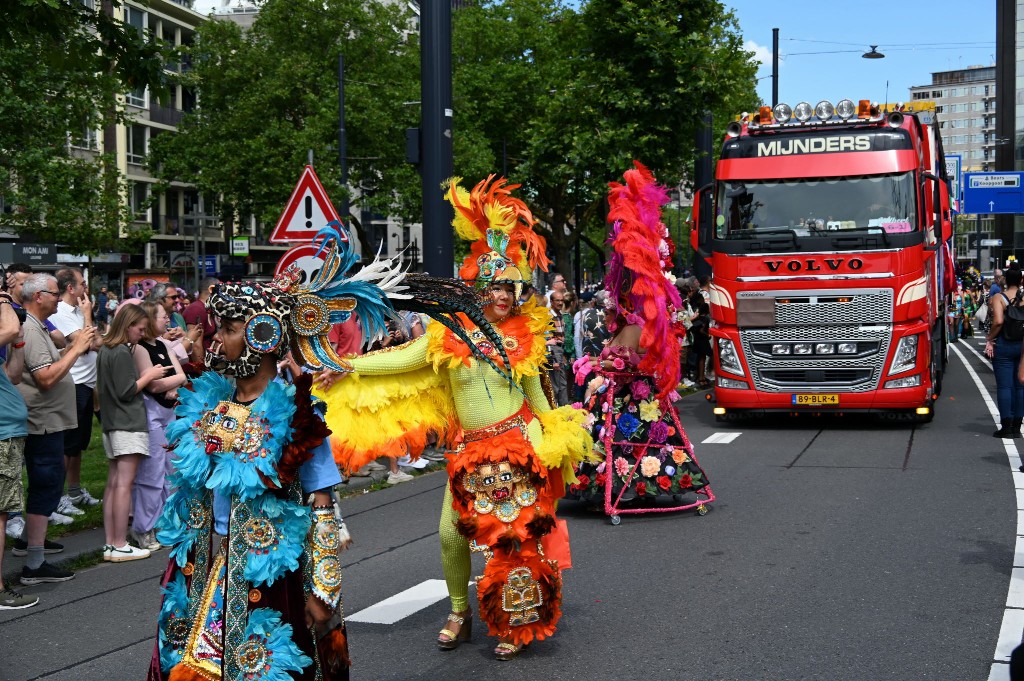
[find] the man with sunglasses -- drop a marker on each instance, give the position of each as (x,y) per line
(49,393)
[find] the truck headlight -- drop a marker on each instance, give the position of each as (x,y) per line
(905,357)
(727,357)
(905,382)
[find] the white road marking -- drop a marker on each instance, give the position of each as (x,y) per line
(1011,630)
(403,604)
(721,438)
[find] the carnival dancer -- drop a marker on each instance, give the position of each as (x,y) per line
(509,469)
(643,448)
(254,584)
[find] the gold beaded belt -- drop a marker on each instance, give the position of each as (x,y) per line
(521,419)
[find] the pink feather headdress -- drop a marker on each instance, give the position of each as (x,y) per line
(639,280)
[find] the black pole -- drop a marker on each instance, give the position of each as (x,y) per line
(977,238)
(775,67)
(703,174)
(342,140)
(436,140)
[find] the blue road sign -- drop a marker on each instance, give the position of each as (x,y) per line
(211,264)
(987,193)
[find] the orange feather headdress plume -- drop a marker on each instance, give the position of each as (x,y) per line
(505,247)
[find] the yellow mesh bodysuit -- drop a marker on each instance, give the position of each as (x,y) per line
(512,455)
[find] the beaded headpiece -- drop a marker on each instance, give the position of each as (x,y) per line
(505,247)
(288,314)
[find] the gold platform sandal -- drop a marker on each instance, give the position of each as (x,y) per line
(453,640)
(505,651)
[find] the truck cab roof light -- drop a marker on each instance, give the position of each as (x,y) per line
(783,112)
(824,110)
(846,109)
(864,108)
(803,112)
(764,115)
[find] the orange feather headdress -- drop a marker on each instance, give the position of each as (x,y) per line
(505,247)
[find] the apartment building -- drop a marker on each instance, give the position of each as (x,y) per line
(964,102)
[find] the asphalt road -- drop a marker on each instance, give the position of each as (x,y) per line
(837,549)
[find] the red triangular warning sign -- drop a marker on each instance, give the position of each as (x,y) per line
(308,211)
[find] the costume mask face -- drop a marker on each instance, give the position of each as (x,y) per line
(520,597)
(501,489)
(262,312)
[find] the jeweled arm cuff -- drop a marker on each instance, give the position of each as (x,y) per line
(325,539)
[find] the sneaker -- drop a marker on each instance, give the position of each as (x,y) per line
(12,600)
(147,540)
(400,476)
(433,454)
(407,462)
(125,553)
(15,526)
(20,547)
(67,508)
(45,573)
(83,498)
(60,519)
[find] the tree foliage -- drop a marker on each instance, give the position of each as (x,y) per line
(574,96)
(269,95)
(62,67)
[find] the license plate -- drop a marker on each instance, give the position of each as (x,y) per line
(815,400)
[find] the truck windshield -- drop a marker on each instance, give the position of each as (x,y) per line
(748,209)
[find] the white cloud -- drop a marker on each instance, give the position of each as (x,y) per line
(762,54)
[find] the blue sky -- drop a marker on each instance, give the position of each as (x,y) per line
(917,38)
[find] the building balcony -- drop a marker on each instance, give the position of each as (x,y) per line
(165,115)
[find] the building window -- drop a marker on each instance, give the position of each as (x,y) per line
(88,139)
(138,200)
(137,138)
(136,18)
(936,94)
(137,97)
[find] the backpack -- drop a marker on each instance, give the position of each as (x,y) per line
(1013,318)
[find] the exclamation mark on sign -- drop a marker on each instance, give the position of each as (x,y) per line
(309,212)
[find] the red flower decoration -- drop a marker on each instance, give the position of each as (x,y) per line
(601,479)
(584,480)
(641,488)
(664,482)
(686,480)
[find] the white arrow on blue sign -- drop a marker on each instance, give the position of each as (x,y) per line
(989,193)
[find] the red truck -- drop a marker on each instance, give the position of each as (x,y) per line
(828,233)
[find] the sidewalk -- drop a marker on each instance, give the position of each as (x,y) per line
(88,544)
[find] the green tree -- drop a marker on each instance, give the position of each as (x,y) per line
(269,95)
(62,67)
(567,99)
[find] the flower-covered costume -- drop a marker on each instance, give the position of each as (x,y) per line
(645,453)
(243,556)
(509,469)
(645,449)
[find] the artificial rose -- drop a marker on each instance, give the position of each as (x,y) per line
(649,466)
(621,466)
(619,364)
(600,479)
(634,319)
(685,481)
(640,389)
(577,405)
(575,489)
(658,432)
(673,396)
(664,482)
(584,480)
(679,456)
(589,422)
(641,488)
(649,411)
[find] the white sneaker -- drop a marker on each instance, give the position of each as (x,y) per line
(124,553)
(688,383)
(400,476)
(407,462)
(15,526)
(83,498)
(67,507)
(60,519)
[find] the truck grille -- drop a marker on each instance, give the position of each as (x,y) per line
(819,317)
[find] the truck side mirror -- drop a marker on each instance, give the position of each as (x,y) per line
(701,222)
(939,209)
